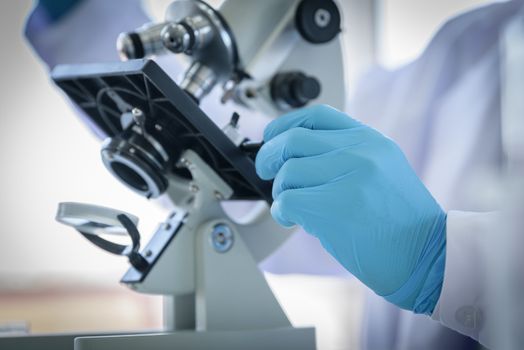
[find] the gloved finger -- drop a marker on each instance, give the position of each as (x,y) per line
(300,142)
(299,207)
(278,215)
(285,209)
(320,117)
(317,170)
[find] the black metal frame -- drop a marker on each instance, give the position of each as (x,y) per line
(104,91)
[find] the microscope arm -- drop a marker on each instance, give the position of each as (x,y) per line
(261,234)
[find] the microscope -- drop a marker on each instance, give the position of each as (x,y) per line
(269,56)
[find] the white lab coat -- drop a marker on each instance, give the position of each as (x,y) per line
(444,112)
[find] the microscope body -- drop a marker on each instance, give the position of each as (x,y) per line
(270,56)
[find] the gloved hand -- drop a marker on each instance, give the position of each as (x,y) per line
(353,189)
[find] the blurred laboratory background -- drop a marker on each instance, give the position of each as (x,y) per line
(50,279)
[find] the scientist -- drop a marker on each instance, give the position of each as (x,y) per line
(396,211)
(355,190)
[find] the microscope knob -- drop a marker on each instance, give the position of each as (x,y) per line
(318,21)
(129,46)
(143,42)
(294,89)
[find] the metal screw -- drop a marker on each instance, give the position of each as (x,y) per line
(158,127)
(139,118)
(132,150)
(137,112)
(219,196)
(222,238)
(193,188)
(185,162)
(322,18)
(148,253)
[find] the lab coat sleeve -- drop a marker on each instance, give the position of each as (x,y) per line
(463,303)
(84,35)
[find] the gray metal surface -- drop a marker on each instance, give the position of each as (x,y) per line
(219,54)
(46,342)
(285,338)
(231,292)
(49,342)
(92,219)
(268,43)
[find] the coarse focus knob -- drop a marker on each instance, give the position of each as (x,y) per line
(318,21)
(294,89)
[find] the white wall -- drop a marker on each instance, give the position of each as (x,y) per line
(408,25)
(48,156)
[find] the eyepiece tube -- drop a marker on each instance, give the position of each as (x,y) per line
(143,42)
(198,80)
(187,36)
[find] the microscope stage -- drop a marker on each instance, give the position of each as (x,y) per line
(106,91)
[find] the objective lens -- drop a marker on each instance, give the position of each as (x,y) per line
(129,176)
(135,162)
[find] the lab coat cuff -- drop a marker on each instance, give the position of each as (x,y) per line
(461,305)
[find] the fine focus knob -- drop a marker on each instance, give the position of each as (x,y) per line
(318,21)
(294,89)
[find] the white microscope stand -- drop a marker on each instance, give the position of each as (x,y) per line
(219,298)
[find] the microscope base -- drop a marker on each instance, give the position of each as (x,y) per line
(286,338)
(282,338)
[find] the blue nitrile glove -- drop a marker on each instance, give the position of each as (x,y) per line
(353,189)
